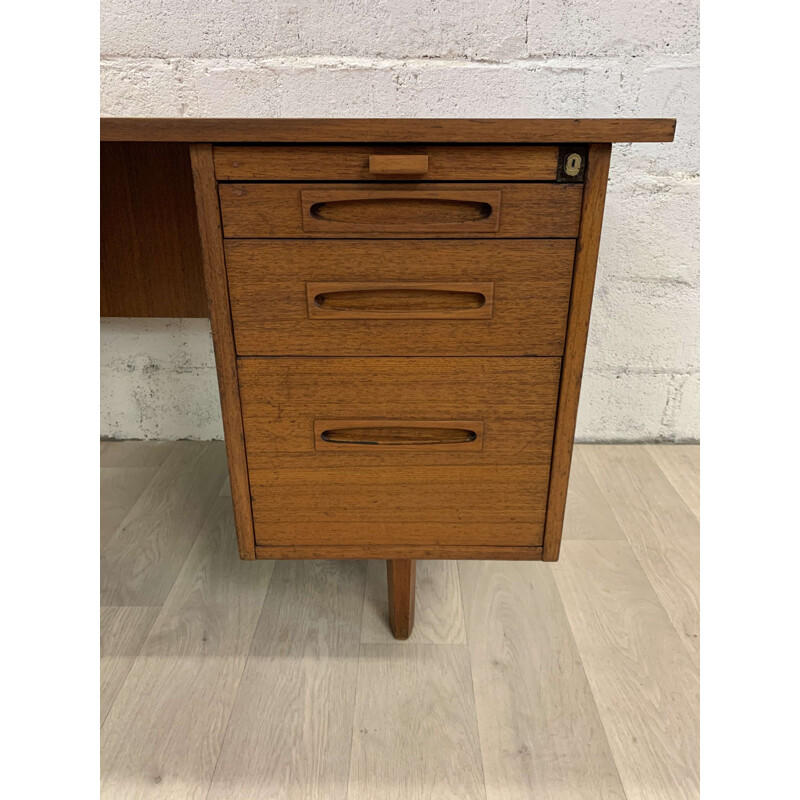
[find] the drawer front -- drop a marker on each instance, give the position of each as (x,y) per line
(378,163)
(339,298)
(444,451)
(400,210)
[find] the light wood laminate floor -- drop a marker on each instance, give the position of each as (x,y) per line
(233,680)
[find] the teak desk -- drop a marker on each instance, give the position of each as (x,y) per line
(399,311)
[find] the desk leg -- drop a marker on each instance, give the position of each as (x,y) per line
(401,574)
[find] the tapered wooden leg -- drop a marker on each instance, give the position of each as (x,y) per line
(402,578)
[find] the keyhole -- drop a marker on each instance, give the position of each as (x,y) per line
(572,166)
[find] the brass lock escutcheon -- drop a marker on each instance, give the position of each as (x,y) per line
(571,163)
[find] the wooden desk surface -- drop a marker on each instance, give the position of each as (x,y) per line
(538,131)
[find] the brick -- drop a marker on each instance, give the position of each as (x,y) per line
(644,326)
(686,416)
(525,89)
(230,88)
(596,28)
(475,29)
(621,407)
(664,87)
(651,229)
(337,91)
(139,88)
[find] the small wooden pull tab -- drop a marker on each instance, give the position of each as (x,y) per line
(398,165)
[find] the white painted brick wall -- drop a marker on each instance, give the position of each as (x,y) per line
(439,58)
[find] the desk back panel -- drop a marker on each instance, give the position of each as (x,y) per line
(150,260)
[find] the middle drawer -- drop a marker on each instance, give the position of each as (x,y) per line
(412,298)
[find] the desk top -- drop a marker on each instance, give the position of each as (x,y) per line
(509,131)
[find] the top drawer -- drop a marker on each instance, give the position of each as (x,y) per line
(383,162)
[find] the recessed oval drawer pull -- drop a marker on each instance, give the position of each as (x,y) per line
(411,210)
(398,435)
(400,300)
(400,211)
(383,300)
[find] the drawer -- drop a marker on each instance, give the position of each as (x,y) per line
(400,210)
(440,298)
(376,163)
(435,451)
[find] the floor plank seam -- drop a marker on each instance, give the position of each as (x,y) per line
(355,695)
(681,636)
(472,680)
(599,716)
(671,480)
(133,660)
(133,505)
(238,686)
(674,488)
(200,526)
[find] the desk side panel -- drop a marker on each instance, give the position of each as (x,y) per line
(580,309)
(205,187)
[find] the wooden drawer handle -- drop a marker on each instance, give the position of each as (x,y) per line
(397,434)
(400,300)
(405,435)
(398,165)
(400,211)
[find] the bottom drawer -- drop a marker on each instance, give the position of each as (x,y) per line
(399,451)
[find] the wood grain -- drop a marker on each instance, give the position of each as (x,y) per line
(269,296)
(122,631)
(644,682)
(401,579)
(524,131)
(120,488)
(492,496)
(141,560)
(541,735)
(439,618)
(150,264)
(580,308)
(415,733)
(385,551)
(352,163)
(290,730)
(398,164)
(588,514)
(681,465)
(205,187)
(275,210)
(662,531)
(165,730)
